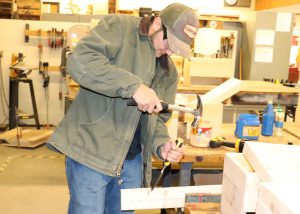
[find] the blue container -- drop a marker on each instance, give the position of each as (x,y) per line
(268,120)
(247,127)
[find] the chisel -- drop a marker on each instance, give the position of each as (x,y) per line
(179,143)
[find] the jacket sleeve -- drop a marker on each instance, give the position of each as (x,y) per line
(90,65)
(161,135)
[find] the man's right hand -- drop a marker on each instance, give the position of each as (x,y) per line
(147,100)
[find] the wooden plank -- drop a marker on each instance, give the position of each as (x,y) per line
(223,91)
(240,183)
(227,208)
(280,197)
(274,162)
(52,68)
(248,87)
(261,208)
(29,138)
(202,198)
(205,208)
(12,133)
(231,195)
(199,203)
(212,155)
(261,87)
(43,33)
(170,197)
(292,128)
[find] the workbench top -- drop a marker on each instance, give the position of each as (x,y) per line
(248,86)
(214,157)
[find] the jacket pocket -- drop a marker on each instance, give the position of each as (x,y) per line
(99,138)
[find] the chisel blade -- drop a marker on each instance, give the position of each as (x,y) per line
(179,143)
(159,177)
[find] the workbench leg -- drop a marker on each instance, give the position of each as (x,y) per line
(184,178)
(185,174)
(13,102)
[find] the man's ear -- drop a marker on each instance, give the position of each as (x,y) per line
(157,24)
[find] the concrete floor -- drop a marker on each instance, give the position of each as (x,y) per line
(33,181)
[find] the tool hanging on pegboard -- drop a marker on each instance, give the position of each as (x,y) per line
(56,38)
(40,47)
(46,81)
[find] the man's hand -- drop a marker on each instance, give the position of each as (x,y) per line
(170,152)
(147,100)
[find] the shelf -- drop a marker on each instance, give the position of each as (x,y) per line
(6,2)
(6,9)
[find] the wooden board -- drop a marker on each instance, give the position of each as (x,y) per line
(274,162)
(227,208)
(30,138)
(280,197)
(212,155)
(223,91)
(262,208)
(292,129)
(248,86)
(204,208)
(170,197)
(240,183)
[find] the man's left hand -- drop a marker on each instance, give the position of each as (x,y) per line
(170,152)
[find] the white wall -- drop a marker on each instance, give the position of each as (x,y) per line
(204,6)
(12,42)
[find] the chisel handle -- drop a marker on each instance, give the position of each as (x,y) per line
(132,102)
(179,143)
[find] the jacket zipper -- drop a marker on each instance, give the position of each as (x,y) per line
(119,169)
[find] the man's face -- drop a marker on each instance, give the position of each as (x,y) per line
(160,43)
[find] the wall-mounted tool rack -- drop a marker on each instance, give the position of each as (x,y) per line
(43,33)
(56,38)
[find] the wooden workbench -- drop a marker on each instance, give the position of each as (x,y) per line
(213,158)
(248,87)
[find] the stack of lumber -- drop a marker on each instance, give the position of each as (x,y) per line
(264,179)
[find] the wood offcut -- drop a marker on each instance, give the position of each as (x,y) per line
(30,138)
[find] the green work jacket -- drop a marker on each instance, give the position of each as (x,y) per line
(109,64)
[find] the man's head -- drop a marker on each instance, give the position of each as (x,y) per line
(182,25)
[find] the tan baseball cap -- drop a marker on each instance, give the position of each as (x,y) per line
(182,25)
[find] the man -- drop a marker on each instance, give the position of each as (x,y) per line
(109,144)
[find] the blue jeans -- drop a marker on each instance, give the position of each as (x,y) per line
(94,192)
